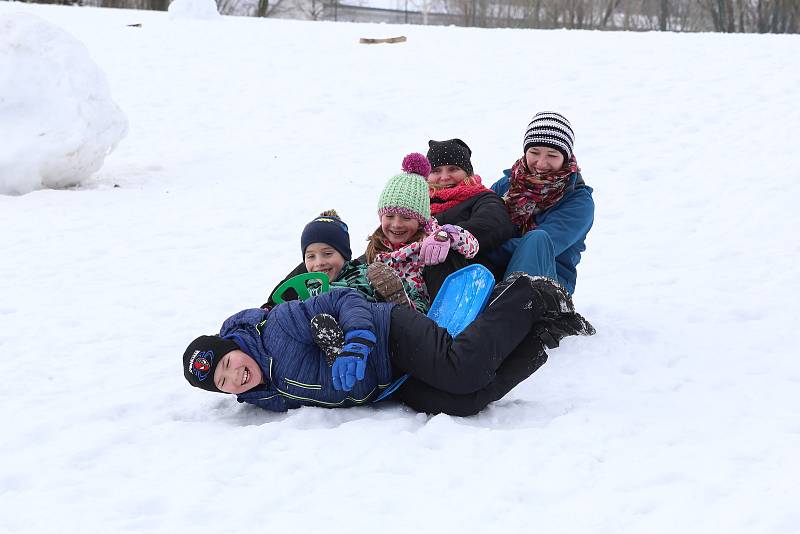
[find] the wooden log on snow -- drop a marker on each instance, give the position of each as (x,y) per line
(365,40)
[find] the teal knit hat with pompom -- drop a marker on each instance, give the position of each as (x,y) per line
(406,193)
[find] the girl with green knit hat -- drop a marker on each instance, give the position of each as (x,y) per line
(408,238)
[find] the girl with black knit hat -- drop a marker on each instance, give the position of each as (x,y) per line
(458,197)
(409,238)
(549,204)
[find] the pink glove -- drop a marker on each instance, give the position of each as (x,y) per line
(435,248)
(452,230)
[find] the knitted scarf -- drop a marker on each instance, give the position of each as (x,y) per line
(444,199)
(525,197)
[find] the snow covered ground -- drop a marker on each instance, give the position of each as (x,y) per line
(681,415)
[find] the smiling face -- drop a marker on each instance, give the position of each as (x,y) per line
(323,258)
(397,228)
(446,176)
(543,159)
(237,372)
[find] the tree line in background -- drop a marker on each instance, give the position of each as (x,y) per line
(729,16)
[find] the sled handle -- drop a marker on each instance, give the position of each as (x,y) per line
(302,284)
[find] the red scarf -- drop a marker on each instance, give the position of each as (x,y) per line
(525,198)
(444,199)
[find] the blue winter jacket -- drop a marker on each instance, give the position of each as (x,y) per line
(567,223)
(294,367)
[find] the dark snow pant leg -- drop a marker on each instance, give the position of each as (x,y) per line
(519,365)
(466,364)
(435,275)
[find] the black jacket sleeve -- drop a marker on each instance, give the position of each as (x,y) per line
(485,216)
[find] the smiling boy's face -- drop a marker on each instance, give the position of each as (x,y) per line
(323,258)
(237,372)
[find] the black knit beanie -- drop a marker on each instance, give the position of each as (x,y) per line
(328,228)
(201,358)
(450,152)
(552,130)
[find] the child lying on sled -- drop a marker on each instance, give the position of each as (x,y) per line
(338,350)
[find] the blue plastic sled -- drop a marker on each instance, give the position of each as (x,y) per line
(462,297)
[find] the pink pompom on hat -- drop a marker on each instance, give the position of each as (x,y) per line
(407,193)
(416,163)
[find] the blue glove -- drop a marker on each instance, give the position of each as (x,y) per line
(351,364)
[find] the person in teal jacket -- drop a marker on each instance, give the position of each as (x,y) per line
(548,202)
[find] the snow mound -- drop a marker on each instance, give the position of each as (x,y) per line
(193,9)
(57,119)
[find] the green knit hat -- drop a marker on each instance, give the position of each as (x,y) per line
(407,193)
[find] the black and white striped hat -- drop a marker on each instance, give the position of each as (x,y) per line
(550,129)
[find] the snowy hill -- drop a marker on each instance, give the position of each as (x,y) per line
(681,415)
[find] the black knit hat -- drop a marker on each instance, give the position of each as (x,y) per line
(450,152)
(552,130)
(201,359)
(328,228)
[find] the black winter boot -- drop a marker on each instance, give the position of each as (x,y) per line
(328,336)
(552,331)
(550,299)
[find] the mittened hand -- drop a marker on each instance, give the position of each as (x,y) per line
(384,279)
(351,365)
(452,231)
(432,251)
(346,370)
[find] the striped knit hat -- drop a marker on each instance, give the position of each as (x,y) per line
(550,129)
(406,193)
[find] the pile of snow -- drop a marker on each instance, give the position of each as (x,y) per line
(193,9)
(57,118)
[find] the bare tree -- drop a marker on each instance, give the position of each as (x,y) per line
(663,16)
(611,7)
(266,9)
(425,7)
(313,11)
(230,7)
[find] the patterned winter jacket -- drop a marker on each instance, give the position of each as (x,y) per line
(354,276)
(408,264)
(294,367)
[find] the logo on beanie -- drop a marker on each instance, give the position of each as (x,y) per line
(200,363)
(338,222)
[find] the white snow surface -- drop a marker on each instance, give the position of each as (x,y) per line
(193,9)
(681,415)
(57,118)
